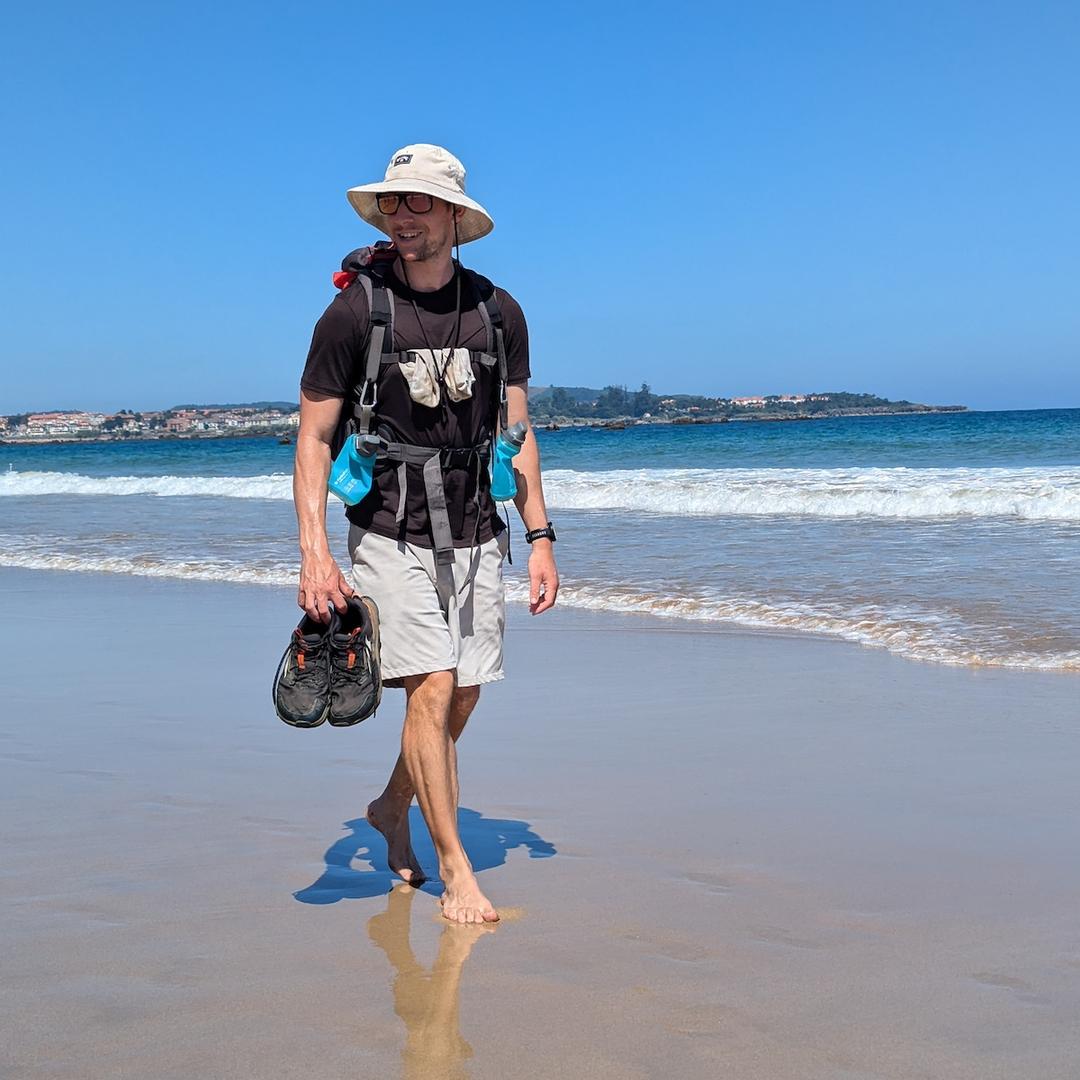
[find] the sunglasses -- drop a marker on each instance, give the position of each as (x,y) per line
(414,202)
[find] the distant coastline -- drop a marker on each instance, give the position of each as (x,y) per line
(620,423)
(617,407)
(278,419)
(551,408)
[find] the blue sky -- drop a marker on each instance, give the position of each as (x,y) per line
(721,198)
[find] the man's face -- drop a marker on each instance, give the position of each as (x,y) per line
(419,237)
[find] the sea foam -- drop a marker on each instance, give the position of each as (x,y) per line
(1034,494)
(1049,494)
(274,486)
(925,638)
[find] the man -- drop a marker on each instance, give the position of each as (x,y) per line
(434,359)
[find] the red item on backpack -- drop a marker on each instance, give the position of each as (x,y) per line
(355,261)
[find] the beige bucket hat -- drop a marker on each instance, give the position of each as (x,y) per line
(430,170)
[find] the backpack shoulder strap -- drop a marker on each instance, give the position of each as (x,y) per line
(380,339)
(491,316)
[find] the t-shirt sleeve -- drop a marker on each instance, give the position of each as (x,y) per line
(516,340)
(332,360)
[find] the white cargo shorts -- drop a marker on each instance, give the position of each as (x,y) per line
(434,618)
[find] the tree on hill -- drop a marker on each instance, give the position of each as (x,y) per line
(561,403)
(644,401)
(613,401)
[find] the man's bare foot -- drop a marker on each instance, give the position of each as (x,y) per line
(463,902)
(394,826)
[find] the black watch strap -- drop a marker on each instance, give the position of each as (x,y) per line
(546,533)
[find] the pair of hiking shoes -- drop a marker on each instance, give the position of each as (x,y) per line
(331,671)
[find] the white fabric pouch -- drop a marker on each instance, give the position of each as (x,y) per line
(423,369)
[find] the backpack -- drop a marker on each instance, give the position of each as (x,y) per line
(366,268)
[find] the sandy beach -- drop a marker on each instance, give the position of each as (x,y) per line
(718,854)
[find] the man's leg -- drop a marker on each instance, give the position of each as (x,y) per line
(389,813)
(431,759)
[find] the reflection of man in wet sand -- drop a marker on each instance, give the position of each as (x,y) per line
(426,1002)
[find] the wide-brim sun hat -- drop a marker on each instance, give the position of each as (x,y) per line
(428,170)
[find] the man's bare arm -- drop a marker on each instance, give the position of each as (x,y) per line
(321,580)
(543,576)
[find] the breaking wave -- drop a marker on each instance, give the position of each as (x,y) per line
(136,566)
(1031,494)
(925,638)
(928,639)
(275,486)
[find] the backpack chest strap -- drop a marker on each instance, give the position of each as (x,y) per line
(380,349)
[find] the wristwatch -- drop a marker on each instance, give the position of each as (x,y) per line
(546,533)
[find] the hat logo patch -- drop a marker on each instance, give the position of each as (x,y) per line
(402,159)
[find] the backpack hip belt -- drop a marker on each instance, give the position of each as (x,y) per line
(430,458)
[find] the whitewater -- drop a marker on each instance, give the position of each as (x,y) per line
(1033,494)
(951,539)
(928,638)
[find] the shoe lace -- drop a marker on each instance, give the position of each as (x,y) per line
(345,655)
(308,655)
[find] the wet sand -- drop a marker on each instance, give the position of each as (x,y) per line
(719,855)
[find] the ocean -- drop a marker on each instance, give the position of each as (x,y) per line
(947,538)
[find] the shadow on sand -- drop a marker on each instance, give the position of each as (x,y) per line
(487,840)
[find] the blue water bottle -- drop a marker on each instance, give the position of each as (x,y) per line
(350,475)
(507,445)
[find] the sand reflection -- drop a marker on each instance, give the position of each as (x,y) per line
(426,1001)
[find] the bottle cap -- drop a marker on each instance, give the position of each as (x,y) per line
(516,433)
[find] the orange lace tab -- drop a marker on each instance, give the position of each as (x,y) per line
(300,660)
(352,660)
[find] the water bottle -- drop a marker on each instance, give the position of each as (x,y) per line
(507,445)
(350,475)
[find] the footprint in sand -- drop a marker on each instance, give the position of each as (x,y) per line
(666,946)
(1021,990)
(773,935)
(714,883)
(91,774)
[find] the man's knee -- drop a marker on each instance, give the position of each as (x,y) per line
(432,692)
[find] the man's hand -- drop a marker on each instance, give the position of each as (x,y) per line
(543,577)
(321,584)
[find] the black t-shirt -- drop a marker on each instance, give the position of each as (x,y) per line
(335,366)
